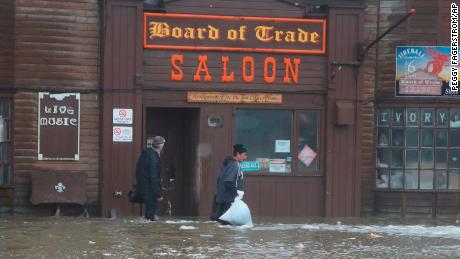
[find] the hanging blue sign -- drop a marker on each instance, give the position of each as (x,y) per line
(249,166)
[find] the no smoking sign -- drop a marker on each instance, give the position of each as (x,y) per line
(122,113)
(122,134)
(117,131)
(122,116)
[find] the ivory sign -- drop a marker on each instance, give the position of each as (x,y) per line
(59,126)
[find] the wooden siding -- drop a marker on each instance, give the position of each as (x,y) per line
(57,44)
(390,12)
(430,26)
(343,188)
(238,8)
(307,193)
(285,196)
(417,204)
(7,44)
(367,113)
(157,69)
(25,147)
(343,150)
(157,64)
(57,50)
(122,63)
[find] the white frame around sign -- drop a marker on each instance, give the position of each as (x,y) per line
(61,95)
(127,121)
(129,130)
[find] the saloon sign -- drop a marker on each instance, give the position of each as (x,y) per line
(235,34)
(58,126)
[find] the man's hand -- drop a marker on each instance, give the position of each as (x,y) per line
(160,199)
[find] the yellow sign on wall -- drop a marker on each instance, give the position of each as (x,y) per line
(225,97)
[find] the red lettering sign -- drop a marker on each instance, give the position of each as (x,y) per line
(234,33)
(226,75)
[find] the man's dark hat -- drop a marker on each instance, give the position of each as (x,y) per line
(240,148)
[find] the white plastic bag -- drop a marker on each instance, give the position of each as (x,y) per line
(238,213)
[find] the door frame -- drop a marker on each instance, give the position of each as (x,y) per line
(195,129)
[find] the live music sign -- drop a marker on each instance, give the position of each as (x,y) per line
(58,126)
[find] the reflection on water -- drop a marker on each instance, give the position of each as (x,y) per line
(67,237)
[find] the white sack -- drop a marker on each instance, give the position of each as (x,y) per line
(238,213)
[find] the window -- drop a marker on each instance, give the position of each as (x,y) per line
(280,141)
(418,148)
(5,143)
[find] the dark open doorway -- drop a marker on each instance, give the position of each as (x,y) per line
(180,177)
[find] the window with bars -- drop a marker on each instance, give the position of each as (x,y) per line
(418,148)
(5,141)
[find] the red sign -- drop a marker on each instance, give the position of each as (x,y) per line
(290,67)
(234,33)
(122,113)
(117,131)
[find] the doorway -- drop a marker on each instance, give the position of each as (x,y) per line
(179,167)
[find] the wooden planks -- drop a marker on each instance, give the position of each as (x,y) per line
(57,44)
(25,146)
(6,44)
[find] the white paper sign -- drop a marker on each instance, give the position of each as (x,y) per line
(277,165)
(277,168)
(122,116)
(122,134)
(282,146)
(307,155)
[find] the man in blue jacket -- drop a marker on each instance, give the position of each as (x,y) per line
(229,181)
(148,175)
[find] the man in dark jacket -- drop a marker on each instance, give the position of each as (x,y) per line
(229,181)
(148,175)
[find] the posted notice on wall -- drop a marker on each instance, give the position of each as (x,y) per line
(307,155)
(423,71)
(122,116)
(277,166)
(122,134)
(58,126)
(282,146)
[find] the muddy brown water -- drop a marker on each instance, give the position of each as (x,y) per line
(70,237)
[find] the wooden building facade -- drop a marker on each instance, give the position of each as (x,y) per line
(308,114)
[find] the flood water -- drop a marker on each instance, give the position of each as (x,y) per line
(70,237)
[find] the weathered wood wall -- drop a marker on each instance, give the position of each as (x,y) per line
(430,26)
(57,50)
(6,43)
(341,196)
(367,114)
(6,75)
(344,88)
(269,196)
(121,78)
